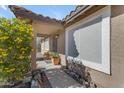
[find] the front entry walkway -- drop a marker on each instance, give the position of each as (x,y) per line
(56,76)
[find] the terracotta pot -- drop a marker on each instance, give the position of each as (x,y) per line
(56,60)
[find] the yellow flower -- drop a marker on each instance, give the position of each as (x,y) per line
(32,34)
(0,31)
(23,52)
(22,48)
(1,62)
(1,49)
(17,46)
(10,47)
(4,54)
(6,68)
(18,40)
(7,24)
(8,71)
(13,69)
(18,78)
(4,38)
(21,57)
(11,30)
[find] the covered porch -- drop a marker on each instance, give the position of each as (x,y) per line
(49,34)
(46,38)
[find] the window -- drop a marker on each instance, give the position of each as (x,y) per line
(89,41)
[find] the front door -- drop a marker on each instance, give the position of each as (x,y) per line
(55,44)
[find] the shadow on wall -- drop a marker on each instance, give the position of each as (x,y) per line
(117,10)
(72,48)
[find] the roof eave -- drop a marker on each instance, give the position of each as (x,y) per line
(82,14)
(15,9)
(85,8)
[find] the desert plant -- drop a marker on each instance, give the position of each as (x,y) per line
(15,47)
(54,54)
(55,58)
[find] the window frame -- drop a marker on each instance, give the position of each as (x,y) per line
(105,13)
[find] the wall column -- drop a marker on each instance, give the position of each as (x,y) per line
(51,43)
(33,53)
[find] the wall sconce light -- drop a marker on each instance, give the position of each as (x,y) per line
(57,35)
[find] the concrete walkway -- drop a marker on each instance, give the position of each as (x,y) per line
(56,76)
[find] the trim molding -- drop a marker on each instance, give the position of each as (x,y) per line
(105,13)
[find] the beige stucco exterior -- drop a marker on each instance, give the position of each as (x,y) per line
(48,31)
(61,43)
(33,53)
(85,40)
(61,47)
(46,28)
(116,79)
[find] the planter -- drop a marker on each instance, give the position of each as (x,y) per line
(55,60)
(46,55)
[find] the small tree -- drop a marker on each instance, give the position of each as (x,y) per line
(15,47)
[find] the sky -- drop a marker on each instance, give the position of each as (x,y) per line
(53,11)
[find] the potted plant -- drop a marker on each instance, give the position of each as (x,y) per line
(46,55)
(55,58)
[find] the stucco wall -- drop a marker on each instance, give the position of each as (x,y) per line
(116,79)
(61,43)
(61,47)
(117,52)
(91,41)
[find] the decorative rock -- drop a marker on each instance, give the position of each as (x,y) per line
(78,71)
(34,84)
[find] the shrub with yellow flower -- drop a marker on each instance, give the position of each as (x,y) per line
(15,47)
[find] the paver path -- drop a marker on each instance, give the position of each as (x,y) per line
(56,76)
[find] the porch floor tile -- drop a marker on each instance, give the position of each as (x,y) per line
(56,76)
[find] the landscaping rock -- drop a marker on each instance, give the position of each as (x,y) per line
(78,71)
